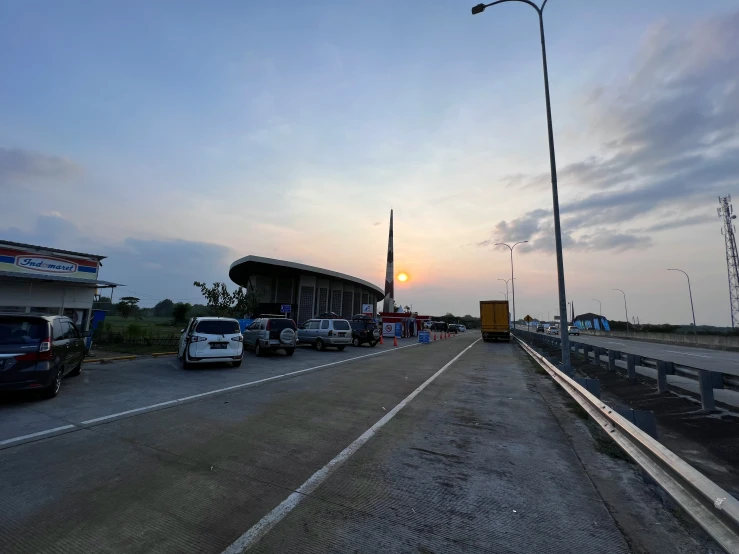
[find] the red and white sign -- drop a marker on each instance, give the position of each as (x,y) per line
(388,329)
(45,264)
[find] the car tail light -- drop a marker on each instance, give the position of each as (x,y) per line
(196,338)
(269,324)
(238,339)
(44,352)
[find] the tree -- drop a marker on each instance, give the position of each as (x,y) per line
(127,306)
(164,308)
(235,304)
(179,312)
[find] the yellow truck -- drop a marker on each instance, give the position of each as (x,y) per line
(494,320)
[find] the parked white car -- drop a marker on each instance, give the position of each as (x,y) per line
(208,340)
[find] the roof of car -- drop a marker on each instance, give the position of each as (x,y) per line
(210,318)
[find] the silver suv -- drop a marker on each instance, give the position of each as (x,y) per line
(321,333)
(271,333)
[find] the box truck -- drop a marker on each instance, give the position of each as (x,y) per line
(494,320)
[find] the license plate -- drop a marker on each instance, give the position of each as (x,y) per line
(342,334)
(218,345)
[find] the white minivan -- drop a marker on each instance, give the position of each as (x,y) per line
(208,340)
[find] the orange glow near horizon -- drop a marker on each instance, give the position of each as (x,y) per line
(402,277)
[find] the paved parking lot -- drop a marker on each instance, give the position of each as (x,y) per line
(446,447)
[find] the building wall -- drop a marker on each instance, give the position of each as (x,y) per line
(47,299)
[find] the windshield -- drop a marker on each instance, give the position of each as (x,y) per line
(280,324)
(218,327)
(22,331)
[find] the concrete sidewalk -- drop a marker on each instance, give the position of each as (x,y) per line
(475,463)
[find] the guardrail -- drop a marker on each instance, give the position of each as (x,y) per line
(714,509)
(620,359)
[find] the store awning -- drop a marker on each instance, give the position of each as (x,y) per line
(91,283)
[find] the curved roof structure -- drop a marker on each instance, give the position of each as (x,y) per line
(242,269)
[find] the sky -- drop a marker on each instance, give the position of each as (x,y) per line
(175,137)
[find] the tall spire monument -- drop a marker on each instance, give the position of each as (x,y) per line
(388,304)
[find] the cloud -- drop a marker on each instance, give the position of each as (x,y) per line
(668,135)
(22,166)
(151,269)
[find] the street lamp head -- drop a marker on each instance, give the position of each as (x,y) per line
(478,9)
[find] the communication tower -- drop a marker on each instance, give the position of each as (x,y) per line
(726,213)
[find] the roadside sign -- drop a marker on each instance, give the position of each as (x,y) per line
(528,319)
(388,329)
(286,308)
(398,329)
(367,309)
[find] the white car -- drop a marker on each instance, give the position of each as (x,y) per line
(208,340)
(461,328)
(553,331)
(572,330)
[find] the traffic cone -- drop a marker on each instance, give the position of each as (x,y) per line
(395,341)
(381,341)
(434,336)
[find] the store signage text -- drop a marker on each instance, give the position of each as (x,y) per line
(47,265)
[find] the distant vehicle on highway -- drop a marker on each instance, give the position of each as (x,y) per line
(494,320)
(572,330)
(271,333)
(453,328)
(364,330)
(321,333)
(37,352)
(208,340)
(462,328)
(540,328)
(553,330)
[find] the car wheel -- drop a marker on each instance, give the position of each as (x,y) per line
(340,348)
(53,389)
(289,351)
(236,364)
(77,370)
(258,350)
(319,345)
(355,342)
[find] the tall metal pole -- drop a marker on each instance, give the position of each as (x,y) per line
(626,309)
(600,307)
(504,295)
(513,282)
(553,169)
(690,292)
(506,281)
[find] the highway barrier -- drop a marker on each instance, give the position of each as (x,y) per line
(617,360)
(713,508)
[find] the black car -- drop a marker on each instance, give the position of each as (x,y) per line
(364,329)
(37,352)
(453,328)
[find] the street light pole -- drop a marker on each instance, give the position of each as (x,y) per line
(626,309)
(553,169)
(504,295)
(506,281)
(513,283)
(690,292)
(600,308)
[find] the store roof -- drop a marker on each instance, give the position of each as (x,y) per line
(50,249)
(92,283)
(257,265)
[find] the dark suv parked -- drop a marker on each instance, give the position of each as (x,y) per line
(364,329)
(37,352)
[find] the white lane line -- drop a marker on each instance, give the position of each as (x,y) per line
(34,435)
(239,386)
(263,526)
(686,354)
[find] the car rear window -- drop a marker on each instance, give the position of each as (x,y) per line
(218,327)
(22,331)
(280,324)
(341,325)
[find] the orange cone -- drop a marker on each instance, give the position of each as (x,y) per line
(395,341)
(381,341)
(434,336)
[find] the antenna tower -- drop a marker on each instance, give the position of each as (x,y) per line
(726,213)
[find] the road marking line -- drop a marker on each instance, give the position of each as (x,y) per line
(685,353)
(241,385)
(33,435)
(264,525)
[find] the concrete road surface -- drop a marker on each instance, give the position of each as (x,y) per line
(158,459)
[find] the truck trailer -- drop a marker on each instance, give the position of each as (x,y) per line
(494,320)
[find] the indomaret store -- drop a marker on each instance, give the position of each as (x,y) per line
(47,281)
